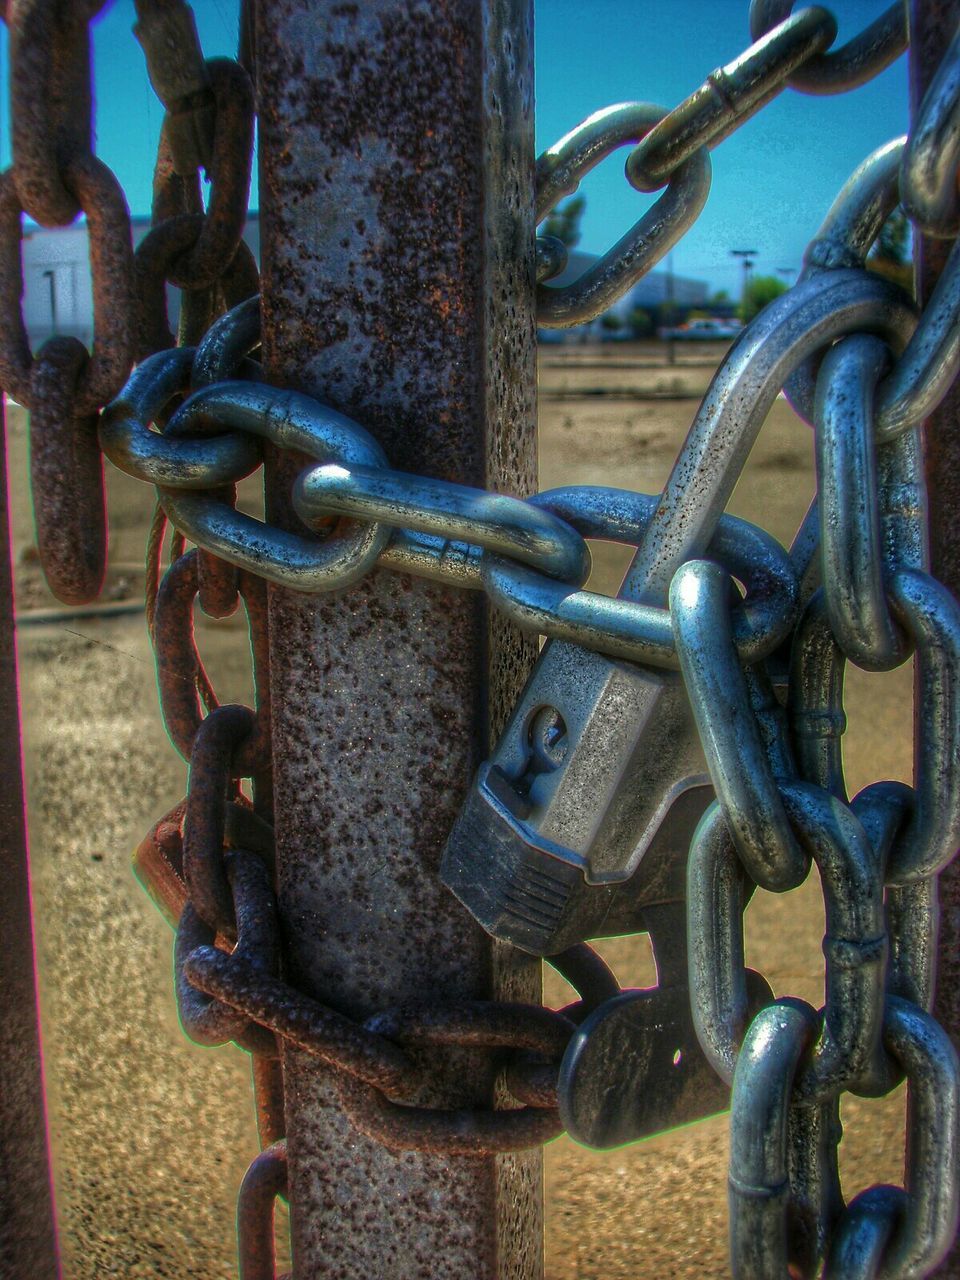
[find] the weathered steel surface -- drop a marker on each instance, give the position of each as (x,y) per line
(932,23)
(397,242)
(27,1238)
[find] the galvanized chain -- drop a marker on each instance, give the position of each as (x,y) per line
(855,359)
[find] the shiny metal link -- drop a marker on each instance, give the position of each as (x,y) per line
(854,946)
(523,531)
(730,96)
(855,218)
(928,356)
(732,744)
(288,420)
(854,63)
(559,173)
(220,355)
(161,459)
(815,700)
(716,899)
(863,1232)
(926,370)
(448,522)
(285,418)
(816,1197)
(223,353)
(855,943)
(928,181)
(930,615)
(885,1233)
(617,627)
(452,564)
(844,240)
(552,257)
(625,628)
(758,1178)
(855,559)
(913,918)
(804,320)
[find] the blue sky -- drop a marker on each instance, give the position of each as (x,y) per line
(772,181)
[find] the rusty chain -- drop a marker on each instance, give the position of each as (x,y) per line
(192,420)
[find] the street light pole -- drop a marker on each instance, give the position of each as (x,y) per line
(747,256)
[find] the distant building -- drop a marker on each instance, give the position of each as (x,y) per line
(57,288)
(654,289)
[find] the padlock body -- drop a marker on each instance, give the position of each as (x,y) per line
(520,888)
(594,757)
(630,749)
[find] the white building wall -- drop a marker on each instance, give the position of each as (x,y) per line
(57,286)
(57,293)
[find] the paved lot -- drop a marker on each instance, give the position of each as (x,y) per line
(151,1133)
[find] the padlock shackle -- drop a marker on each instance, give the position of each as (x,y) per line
(792,328)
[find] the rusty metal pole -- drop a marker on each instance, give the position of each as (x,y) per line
(27,1236)
(932,24)
(397,240)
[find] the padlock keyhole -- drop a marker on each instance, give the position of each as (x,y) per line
(548,740)
(546,750)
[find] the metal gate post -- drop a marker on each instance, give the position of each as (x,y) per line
(27,1237)
(932,26)
(397,252)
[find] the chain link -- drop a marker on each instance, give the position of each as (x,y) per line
(730,96)
(854,63)
(559,173)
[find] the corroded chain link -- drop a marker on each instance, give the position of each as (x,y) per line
(56,176)
(193,418)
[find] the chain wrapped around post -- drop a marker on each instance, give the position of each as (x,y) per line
(710,606)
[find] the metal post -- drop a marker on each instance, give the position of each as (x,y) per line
(27,1235)
(932,24)
(397,241)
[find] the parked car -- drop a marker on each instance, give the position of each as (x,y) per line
(705,330)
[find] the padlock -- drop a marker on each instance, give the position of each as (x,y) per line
(598,750)
(634,1067)
(594,756)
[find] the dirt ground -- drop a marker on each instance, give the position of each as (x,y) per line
(152,1134)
